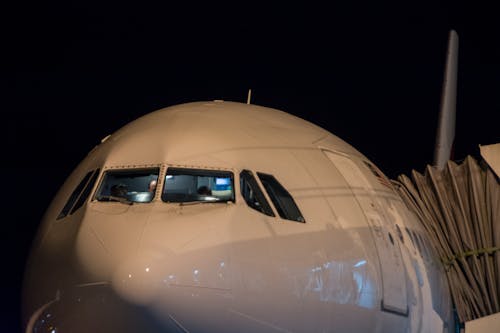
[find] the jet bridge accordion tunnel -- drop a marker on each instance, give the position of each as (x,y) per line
(459,208)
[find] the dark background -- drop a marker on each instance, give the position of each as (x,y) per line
(370,72)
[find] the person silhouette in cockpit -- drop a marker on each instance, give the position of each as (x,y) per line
(204,190)
(119,190)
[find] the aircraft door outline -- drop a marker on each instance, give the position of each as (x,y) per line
(393,273)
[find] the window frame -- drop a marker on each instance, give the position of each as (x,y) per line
(126,169)
(86,193)
(278,204)
(82,190)
(267,208)
(196,171)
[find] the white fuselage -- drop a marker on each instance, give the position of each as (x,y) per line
(359,262)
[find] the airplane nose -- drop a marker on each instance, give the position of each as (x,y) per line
(159,264)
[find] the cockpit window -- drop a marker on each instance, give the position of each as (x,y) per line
(282,200)
(74,196)
(198,185)
(252,194)
(86,192)
(128,186)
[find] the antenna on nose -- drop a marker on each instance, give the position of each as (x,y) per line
(249,96)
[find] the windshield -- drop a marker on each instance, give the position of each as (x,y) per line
(198,185)
(133,185)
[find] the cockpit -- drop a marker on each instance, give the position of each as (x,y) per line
(185,185)
(181,185)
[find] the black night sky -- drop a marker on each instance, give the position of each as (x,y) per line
(371,73)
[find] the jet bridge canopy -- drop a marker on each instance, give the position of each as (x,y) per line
(459,208)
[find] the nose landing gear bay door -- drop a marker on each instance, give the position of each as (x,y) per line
(394,298)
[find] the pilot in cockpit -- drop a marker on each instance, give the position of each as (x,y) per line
(204,190)
(152,186)
(119,190)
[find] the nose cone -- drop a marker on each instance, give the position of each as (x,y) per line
(171,264)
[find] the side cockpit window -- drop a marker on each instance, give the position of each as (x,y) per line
(80,193)
(282,200)
(252,194)
(198,185)
(128,186)
(85,193)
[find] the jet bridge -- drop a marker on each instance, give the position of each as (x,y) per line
(459,208)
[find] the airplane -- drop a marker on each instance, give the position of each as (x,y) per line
(220,216)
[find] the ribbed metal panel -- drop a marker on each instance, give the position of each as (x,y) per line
(459,207)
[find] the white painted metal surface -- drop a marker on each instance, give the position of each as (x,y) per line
(484,325)
(387,243)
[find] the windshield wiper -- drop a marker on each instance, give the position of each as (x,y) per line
(114,198)
(206,200)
